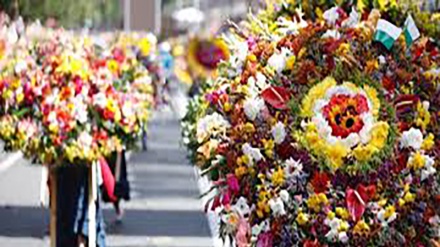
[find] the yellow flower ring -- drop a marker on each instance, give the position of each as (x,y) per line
(204,56)
(343,122)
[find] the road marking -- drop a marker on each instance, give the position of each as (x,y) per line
(158,241)
(10,161)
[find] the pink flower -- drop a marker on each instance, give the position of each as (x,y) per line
(243,230)
(233,185)
(265,240)
(226,199)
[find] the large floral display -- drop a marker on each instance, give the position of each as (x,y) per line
(71,99)
(323,130)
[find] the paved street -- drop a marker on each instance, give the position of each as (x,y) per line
(164,211)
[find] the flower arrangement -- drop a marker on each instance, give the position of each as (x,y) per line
(204,55)
(323,132)
(68,100)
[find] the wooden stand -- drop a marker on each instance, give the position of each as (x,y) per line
(53,209)
(93,195)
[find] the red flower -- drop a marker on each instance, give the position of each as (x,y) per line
(118,55)
(388,84)
(311,243)
(320,182)
(358,199)
(277,97)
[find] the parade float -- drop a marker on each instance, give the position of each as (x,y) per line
(67,101)
(322,128)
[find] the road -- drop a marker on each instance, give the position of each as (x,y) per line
(164,211)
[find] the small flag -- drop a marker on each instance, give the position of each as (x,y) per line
(410,30)
(387,33)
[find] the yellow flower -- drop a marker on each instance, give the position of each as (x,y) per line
(409,197)
(379,134)
(364,152)
(268,147)
(344,48)
(382,202)
(316,92)
(290,62)
(383,4)
(316,201)
(428,143)
(342,213)
(227,107)
(249,128)
(19,97)
(113,66)
(144,46)
(361,228)
(302,52)
(335,153)
(373,96)
(302,218)
(252,58)
(423,116)
(262,208)
(331,215)
(389,211)
(240,171)
(417,161)
(344,226)
(278,177)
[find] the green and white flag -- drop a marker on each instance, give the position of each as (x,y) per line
(411,31)
(386,33)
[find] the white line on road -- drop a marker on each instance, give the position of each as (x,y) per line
(10,161)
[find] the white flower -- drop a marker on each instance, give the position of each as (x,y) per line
(385,220)
(284,195)
(334,225)
(343,237)
(262,227)
(331,34)
(254,154)
(127,109)
(293,168)
(210,125)
(252,107)
(331,15)
(20,66)
(429,168)
(100,100)
(277,206)
(242,207)
(382,59)
(291,27)
(412,138)
(80,111)
(52,118)
(352,20)
(278,132)
(261,81)
(278,60)
(239,48)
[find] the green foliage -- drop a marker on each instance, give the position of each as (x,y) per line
(70,14)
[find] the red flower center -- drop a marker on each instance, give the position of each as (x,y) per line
(343,113)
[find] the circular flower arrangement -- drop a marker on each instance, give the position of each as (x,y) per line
(205,54)
(319,133)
